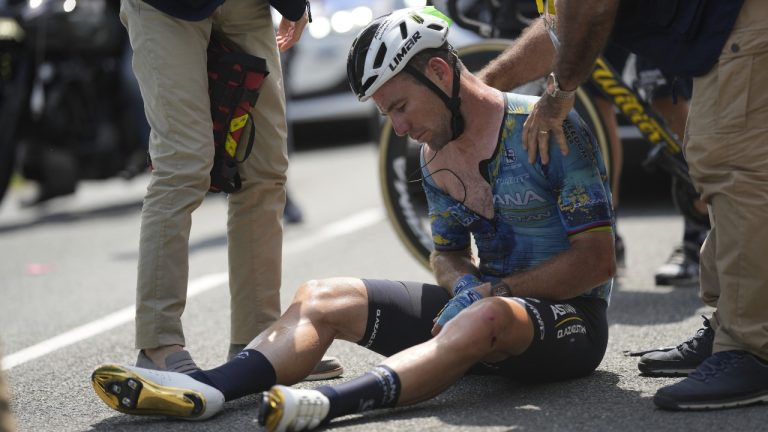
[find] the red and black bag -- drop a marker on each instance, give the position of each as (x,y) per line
(234,80)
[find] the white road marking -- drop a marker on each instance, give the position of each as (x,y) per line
(197,286)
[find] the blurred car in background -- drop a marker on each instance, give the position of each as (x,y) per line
(316,67)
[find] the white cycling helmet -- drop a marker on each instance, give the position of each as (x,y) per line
(382,49)
(386,46)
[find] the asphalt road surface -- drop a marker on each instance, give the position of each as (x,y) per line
(67,294)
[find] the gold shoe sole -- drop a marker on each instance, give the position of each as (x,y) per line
(271,409)
(125,391)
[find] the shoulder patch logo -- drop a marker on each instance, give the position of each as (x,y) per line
(510,155)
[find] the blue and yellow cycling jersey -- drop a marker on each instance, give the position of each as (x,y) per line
(536,207)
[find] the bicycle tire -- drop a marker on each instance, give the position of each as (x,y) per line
(399,168)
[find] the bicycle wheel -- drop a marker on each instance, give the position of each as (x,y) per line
(399,168)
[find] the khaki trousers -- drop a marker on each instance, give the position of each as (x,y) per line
(170,64)
(7,423)
(727,152)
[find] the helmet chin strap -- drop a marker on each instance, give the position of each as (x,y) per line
(453,103)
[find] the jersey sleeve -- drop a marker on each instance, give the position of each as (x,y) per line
(581,182)
(448,233)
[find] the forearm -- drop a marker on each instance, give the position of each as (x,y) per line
(583,28)
(567,275)
(448,267)
(529,57)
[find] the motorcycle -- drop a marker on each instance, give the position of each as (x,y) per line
(70,108)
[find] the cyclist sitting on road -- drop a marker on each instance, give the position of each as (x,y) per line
(533,309)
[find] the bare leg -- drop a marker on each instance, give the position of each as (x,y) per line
(285,352)
(491,329)
(321,311)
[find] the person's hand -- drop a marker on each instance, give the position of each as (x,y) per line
(455,305)
(289,32)
(546,119)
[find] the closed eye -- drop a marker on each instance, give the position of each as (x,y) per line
(398,106)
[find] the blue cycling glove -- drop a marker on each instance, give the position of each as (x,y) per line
(457,304)
(468,281)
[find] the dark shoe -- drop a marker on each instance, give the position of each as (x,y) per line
(234,349)
(620,251)
(292,213)
(180,362)
(727,379)
(680,269)
(328,368)
(681,360)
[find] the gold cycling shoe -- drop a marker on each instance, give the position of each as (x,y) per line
(139,391)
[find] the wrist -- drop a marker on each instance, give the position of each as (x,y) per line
(555,90)
(501,289)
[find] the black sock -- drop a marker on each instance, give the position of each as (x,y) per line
(247,373)
(379,388)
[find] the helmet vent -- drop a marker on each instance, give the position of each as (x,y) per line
(367,84)
(377,62)
(403,30)
(435,27)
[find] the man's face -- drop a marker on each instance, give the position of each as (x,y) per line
(414,111)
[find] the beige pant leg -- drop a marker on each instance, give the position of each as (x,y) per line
(169,61)
(727,152)
(254,231)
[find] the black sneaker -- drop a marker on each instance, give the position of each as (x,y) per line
(680,269)
(620,251)
(292,214)
(681,360)
(727,379)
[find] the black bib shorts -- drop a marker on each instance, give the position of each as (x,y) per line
(569,341)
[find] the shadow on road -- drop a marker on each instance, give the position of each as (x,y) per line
(70,216)
(640,308)
(483,401)
(499,404)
